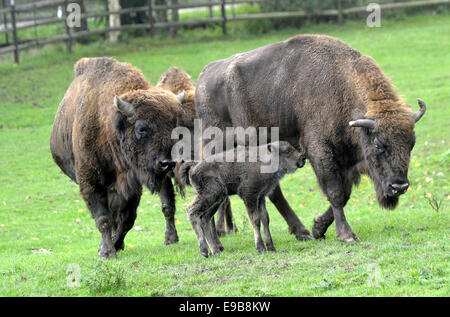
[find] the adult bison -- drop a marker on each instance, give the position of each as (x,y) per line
(329,98)
(111,135)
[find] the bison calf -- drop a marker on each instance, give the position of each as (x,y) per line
(214,180)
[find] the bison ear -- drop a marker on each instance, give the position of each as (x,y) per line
(124,107)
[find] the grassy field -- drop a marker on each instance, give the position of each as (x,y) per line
(46,231)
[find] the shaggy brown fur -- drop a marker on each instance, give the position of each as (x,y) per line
(110,153)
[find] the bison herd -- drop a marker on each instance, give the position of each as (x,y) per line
(112,134)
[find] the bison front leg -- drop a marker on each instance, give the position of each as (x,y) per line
(167,198)
(337,189)
(322,223)
(295,225)
(97,204)
(125,221)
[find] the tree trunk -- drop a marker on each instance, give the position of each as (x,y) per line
(114,20)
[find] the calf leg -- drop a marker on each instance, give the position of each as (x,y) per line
(253,214)
(265,221)
(201,213)
(225,215)
(220,223)
(167,198)
(194,213)
(212,238)
(231,227)
(295,225)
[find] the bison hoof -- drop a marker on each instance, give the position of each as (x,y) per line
(348,237)
(270,247)
(319,228)
(170,239)
(300,232)
(304,237)
(261,247)
(107,254)
(218,251)
(204,252)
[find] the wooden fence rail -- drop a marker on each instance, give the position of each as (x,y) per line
(14,26)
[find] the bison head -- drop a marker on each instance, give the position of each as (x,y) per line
(143,123)
(387,141)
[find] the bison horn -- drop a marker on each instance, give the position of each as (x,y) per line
(363,123)
(124,107)
(181,97)
(423,107)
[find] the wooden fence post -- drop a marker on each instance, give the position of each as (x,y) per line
(210,9)
(340,15)
(224,17)
(150,18)
(69,40)
(5,22)
(174,19)
(13,23)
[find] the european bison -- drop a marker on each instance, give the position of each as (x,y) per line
(325,95)
(215,179)
(111,135)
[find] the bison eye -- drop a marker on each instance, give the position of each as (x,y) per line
(378,145)
(141,129)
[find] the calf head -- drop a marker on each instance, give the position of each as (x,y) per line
(387,140)
(290,158)
(143,124)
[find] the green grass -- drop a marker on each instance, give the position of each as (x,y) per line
(404,252)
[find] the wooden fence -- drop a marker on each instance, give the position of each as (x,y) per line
(17,45)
